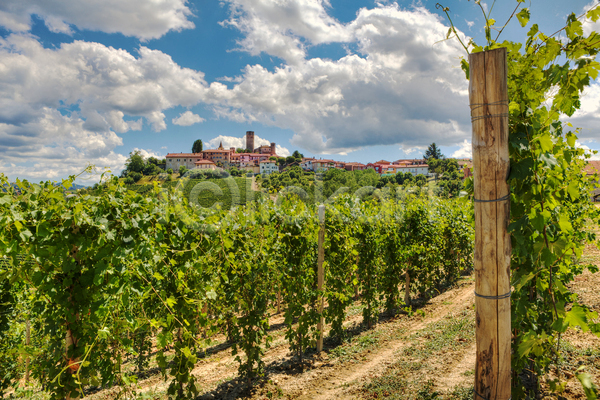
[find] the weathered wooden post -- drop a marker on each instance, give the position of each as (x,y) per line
(27,343)
(488,95)
(321,275)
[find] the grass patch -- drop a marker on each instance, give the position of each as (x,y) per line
(436,345)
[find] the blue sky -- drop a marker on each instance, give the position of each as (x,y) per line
(90,81)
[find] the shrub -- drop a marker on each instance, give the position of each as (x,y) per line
(136,176)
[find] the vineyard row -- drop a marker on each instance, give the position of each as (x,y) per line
(111,277)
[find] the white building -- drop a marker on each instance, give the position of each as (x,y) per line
(307,164)
(176,160)
(268,166)
(414,169)
(205,164)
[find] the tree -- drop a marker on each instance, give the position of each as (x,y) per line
(135,162)
(433,152)
(182,170)
(197,146)
(421,180)
(297,155)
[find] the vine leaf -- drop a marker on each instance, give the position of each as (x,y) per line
(523,17)
(577,317)
(591,391)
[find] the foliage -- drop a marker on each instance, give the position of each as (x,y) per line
(549,190)
(135,176)
(118,270)
(135,162)
(433,152)
(197,146)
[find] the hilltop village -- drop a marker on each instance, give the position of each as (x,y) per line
(264,160)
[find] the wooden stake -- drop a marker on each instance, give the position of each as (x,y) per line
(488,95)
(406,288)
(27,343)
(321,275)
(278,301)
(71,342)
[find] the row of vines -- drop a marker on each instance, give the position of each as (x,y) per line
(103,280)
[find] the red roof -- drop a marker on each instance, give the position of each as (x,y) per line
(175,155)
(324,161)
(204,162)
(255,154)
(592,167)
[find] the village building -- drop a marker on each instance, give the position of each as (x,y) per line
(224,157)
(268,167)
(307,164)
(415,169)
(323,165)
(354,166)
(205,164)
(188,160)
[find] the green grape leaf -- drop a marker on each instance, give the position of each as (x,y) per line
(523,16)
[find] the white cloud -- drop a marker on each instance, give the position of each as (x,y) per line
(187,118)
(465,151)
(587,24)
(588,116)
(145,19)
(400,89)
(41,89)
(279,28)
(148,153)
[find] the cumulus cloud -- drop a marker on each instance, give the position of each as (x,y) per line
(587,118)
(399,89)
(240,143)
(54,146)
(587,24)
(148,153)
(465,150)
(187,118)
(145,19)
(280,28)
(68,102)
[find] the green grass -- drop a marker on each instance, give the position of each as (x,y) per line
(437,344)
(208,193)
(222,193)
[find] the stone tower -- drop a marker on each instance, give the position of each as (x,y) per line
(250,140)
(272,147)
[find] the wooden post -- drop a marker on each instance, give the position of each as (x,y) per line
(27,343)
(488,95)
(278,301)
(321,275)
(71,342)
(406,287)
